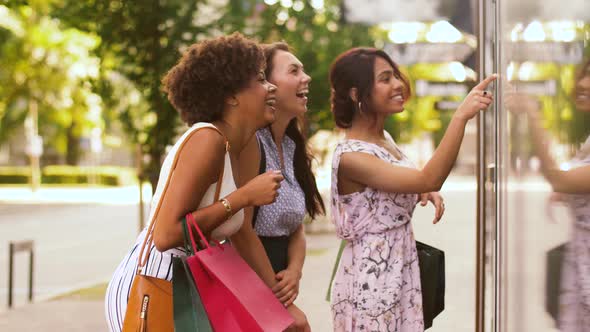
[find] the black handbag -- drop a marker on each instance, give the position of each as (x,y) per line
(432,279)
(553,279)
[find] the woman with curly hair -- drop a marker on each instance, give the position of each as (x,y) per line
(375,189)
(220,90)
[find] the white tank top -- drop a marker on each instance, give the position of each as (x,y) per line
(159,264)
(228,185)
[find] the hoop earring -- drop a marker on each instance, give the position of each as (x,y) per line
(360,107)
(236,102)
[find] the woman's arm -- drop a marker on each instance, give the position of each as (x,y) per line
(296,253)
(246,240)
(189,181)
(287,288)
(373,172)
(574,181)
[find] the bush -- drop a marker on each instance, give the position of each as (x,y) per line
(71,175)
(14,175)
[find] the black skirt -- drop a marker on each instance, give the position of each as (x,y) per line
(277,249)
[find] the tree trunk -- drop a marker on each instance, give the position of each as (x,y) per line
(73,149)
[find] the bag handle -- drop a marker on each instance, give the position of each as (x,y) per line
(143,258)
(192,222)
(185,234)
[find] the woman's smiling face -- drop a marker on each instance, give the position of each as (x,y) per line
(387,95)
(292,83)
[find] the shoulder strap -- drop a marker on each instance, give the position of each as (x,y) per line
(148,241)
(261,169)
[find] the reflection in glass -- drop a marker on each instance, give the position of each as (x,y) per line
(543,123)
(569,264)
(560,150)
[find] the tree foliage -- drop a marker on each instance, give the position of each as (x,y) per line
(44,65)
(144,39)
(317,33)
(134,43)
(141,40)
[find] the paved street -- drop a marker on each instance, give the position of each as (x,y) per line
(80,244)
(75,245)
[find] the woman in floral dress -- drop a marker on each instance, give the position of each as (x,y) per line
(375,189)
(574,297)
(573,187)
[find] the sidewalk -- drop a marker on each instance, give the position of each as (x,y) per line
(455,235)
(78,311)
(74,194)
(84,310)
(66,315)
(130,194)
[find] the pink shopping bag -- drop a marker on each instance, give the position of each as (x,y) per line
(233,295)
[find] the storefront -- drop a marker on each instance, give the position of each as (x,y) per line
(539,49)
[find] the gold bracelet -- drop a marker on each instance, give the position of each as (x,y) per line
(227,207)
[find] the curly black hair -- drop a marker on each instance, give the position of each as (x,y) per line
(208,73)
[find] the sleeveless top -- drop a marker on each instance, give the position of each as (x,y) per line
(580,203)
(284,216)
(159,264)
(574,290)
(355,214)
(228,186)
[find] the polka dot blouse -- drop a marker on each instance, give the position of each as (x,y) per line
(286,214)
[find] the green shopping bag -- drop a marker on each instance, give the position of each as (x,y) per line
(189,313)
(335,268)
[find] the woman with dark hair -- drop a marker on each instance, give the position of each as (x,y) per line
(375,189)
(571,186)
(282,146)
(220,89)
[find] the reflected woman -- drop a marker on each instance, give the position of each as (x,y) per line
(573,185)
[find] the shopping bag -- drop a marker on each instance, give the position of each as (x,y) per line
(189,313)
(233,295)
(432,280)
(553,279)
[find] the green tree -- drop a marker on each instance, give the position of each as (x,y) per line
(314,29)
(141,40)
(47,68)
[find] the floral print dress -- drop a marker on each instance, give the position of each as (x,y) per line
(377,283)
(574,299)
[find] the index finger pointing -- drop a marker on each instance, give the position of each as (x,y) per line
(484,84)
